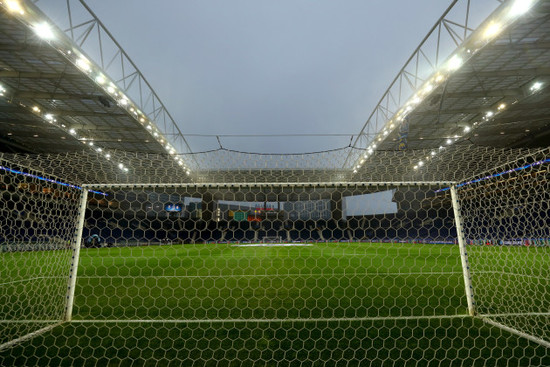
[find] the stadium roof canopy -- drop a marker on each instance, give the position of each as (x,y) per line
(490,88)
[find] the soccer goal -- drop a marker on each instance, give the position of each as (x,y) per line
(449,263)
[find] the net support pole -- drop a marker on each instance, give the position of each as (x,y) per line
(463,252)
(76,254)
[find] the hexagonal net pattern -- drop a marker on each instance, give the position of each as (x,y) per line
(336,272)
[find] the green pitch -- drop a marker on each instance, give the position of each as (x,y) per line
(328,303)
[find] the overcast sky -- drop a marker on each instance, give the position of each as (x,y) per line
(269,67)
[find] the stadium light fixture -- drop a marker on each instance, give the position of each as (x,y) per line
(449,141)
(83,64)
(502,106)
(44,31)
(111,89)
(455,63)
(72,132)
(49,117)
(536,86)
(100,79)
(492,30)
(520,7)
(467,129)
(36,109)
(14,7)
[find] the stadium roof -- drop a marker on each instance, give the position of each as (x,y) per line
(490,91)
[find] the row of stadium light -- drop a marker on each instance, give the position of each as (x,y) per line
(48,33)
(51,119)
(455,62)
(488,116)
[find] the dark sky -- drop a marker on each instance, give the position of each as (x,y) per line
(269,67)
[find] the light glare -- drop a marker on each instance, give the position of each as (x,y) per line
(14,6)
(521,7)
(455,63)
(492,30)
(44,31)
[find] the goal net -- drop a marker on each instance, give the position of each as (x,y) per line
(391,265)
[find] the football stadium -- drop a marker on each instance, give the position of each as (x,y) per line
(425,241)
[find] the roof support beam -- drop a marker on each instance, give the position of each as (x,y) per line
(532,72)
(36,75)
(59,96)
(17,109)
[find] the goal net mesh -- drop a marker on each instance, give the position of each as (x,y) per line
(336,258)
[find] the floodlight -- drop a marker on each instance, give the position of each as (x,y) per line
(449,141)
(492,30)
(536,86)
(455,63)
(15,7)
(44,31)
(467,129)
(520,7)
(100,79)
(83,64)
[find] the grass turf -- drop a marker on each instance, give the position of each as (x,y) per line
(317,304)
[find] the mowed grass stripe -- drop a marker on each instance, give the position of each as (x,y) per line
(321,281)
